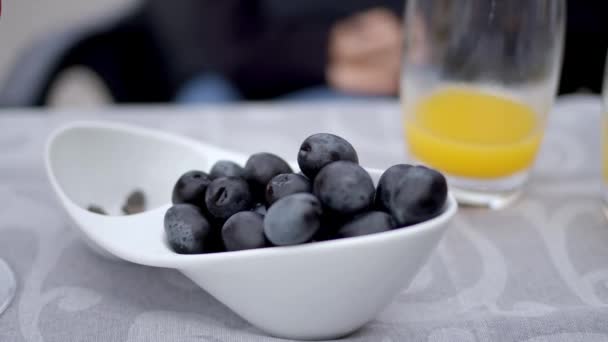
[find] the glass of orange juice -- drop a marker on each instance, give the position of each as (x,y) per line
(478,80)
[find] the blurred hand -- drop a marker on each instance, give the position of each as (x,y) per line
(365,53)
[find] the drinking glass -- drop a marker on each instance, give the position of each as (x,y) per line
(604,146)
(478,80)
(7,286)
(7,278)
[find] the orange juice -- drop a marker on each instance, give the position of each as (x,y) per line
(475,134)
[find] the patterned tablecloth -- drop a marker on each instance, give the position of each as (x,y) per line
(536,271)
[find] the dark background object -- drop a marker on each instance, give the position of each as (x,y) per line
(586,44)
(119,49)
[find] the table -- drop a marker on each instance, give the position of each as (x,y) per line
(536,271)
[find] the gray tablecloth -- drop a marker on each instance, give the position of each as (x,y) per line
(537,271)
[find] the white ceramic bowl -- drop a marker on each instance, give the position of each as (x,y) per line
(316,291)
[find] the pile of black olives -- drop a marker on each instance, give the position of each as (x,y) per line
(264,203)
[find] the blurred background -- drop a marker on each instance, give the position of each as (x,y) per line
(25,21)
(69,52)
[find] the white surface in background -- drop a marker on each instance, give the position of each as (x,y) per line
(23,21)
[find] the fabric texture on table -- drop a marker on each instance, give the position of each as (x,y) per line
(536,271)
